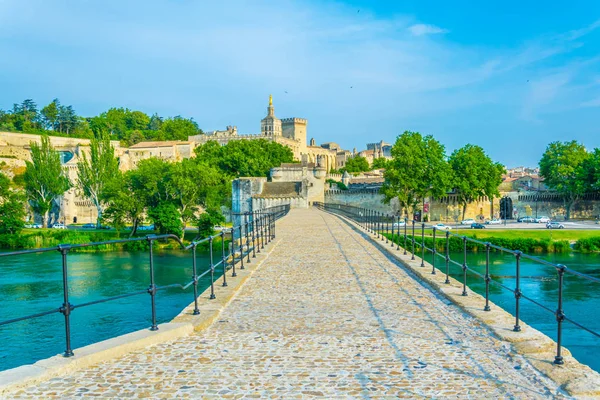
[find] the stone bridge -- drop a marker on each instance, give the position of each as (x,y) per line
(325,311)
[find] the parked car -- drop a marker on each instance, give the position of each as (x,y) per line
(468,221)
(542,220)
(399,224)
(88,226)
(59,226)
(554,225)
(477,225)
(526,219)
(442,227)
(145,228)
(494,221)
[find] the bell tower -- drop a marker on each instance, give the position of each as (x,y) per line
(270,125)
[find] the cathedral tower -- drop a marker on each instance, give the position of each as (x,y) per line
(270,125)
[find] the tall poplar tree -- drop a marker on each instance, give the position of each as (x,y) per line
(95,171)
(44,178)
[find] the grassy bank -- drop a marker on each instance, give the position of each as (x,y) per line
(42,238)
(571,235)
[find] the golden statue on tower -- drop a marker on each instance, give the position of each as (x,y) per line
(270,100)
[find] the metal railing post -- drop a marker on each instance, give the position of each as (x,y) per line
(392,240)
(398,234)
(387,228)
(223,260)
(464,266)
(241,249)
(67,307)
(487,277)
(195,279)
(560,316)
(434,252)
(447,257)
(233,273)
(517,327)
(405,235)
(152,288)
(212,269)
(413,240)
(254,218)
(423,244)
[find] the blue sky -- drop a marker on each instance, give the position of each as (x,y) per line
(510,77)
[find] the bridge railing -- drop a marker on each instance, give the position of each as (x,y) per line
(386,226)
(256,230)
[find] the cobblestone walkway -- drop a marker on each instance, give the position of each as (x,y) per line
(327,315)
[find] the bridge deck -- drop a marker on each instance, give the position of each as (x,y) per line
(328,314)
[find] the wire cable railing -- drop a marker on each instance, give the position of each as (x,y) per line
(247,238)
(384,226)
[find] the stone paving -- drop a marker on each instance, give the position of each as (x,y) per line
(327,315)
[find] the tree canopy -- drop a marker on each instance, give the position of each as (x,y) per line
(128,126)
(12,210)
(418,169)
(474,174)
(356,164)
(568,168)
(244,157)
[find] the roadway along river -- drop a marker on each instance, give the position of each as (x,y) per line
(33,283)
(581,297)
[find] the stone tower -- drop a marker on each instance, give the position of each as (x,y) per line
(270,125)
(295,128)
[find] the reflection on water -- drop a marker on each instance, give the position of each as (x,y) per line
(33,283)
(581,297)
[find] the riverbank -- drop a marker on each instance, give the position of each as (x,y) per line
(526,241)
(44,238)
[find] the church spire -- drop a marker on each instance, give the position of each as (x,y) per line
(271,109)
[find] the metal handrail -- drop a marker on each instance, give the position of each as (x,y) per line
(257,229)
(378,223)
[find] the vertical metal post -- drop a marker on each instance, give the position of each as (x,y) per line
(393,219)
(517,327)
(212,269)
(248,237)
(487,277)
(423,244)
(66,306)
(464,266)
(398,234)
(434,252)
(560,316)
(413,240)
(233,274)
(405,235)
(387,227)
(223,259)
(377,223)
(254,234)
(241,249)
(152,288)
(254,218)
(195,279)
(447,257)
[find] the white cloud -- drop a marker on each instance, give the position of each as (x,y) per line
(424,29)
(591,103)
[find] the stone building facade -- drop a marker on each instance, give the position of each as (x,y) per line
(290,132)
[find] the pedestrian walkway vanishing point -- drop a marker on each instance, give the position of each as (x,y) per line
(327,315)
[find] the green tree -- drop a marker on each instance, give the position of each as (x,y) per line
(44,178)
(207,221)
(591,171)
(244,157)
(475,175)
(124,202)
(380,163)
(67,119)
(12,210)
(96,170)
(178,128)
(50,115)
(562,167)
(356,164)
(167,219)
(418,169)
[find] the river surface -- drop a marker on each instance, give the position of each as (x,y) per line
(32,283)
(581,297)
